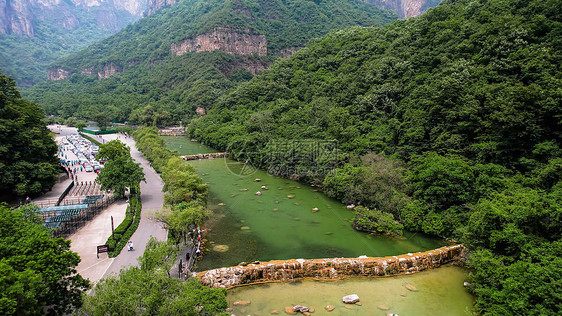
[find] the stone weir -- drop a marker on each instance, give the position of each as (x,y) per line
(204,156)
(329,269)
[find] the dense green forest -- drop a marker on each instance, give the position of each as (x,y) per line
(38,273)
(157,88)
(26,58)
(28,163)
(450,121)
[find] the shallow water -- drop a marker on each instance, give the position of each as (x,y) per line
(440,292)
(186,147)
(281,223)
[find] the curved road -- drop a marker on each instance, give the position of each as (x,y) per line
(152,201)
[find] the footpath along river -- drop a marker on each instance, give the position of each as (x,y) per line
(281,224)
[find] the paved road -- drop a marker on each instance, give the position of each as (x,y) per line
(152,202)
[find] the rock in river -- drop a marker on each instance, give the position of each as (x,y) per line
(289,310)
(300,308)
(351,299)
(411,287)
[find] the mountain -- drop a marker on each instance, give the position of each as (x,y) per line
(451,122)
(179,60)
(34,33)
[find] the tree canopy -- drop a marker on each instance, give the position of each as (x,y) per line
(28,163)
(113,150)
(119,174)
(148,290)
(37,272)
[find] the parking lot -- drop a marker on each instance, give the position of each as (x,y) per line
(78,155)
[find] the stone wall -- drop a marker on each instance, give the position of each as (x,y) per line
(204,156)
(172,132)
(329,269)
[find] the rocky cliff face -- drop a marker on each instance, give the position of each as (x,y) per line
(20,17)
(405,8)
(16,18)
(329,269)
(58,74)
(224,39)
(105,71)
(109,70)
(155,5)
(288,51)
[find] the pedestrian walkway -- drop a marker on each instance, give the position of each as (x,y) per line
(152,201)
(93,234)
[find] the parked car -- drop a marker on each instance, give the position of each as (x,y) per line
(88,168)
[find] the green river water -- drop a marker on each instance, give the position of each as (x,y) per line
(281,224)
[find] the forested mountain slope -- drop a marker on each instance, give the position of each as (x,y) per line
(451,122)
(34,34)
(165,66)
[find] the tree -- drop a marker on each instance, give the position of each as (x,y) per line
(377,183)
(183,217)
(37,272)
(79,125)
(376,222)
(113,150)
(28,163)
(181,183)
(119,174)
(148,290)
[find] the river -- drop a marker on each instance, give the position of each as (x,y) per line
(282,223)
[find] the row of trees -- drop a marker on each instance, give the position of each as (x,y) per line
(185,193)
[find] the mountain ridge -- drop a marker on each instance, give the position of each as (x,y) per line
(237,38)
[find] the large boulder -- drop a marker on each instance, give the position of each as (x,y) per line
(351,299)
(300,308)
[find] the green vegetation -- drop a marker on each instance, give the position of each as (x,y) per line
(113,150)
(28,163)
(37,272)
(377,222)
(374,181)
(462,108)
(120,171)
(128,226)
(159,89)
(185,192)
(148,290)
